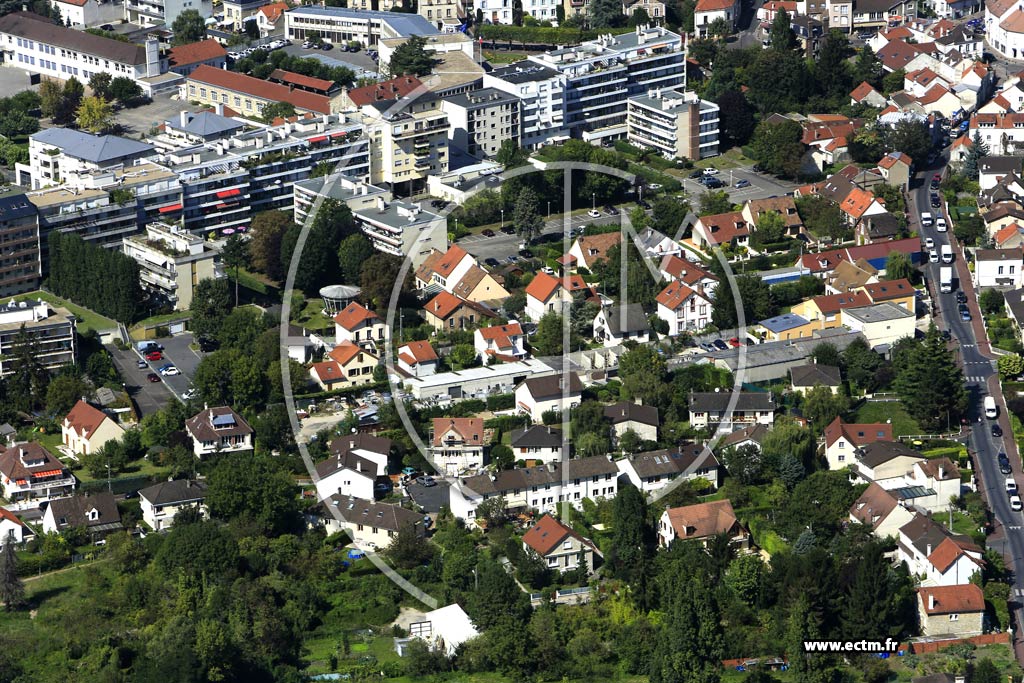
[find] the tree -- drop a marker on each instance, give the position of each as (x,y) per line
(548,340)
(605,14)
(867,604)
(99,83)
(525,216)
(257,488)
(745,464)
(95,114)
(770,229)
(975,151)
(931,385)
(821,406)
(985,672)
(898,266)
(832,70)
(861,364)
(713,202)
(991,301)
(719,28)
(787,439)
(778,81)
(827,354)
(736,118)
(378,277)
(63,393)
(12,590)
(1010,365)
(631,535)
(354,251)
(265,235)
(822,217)
(510,155)
(409,549)
(689,648)
(893,81)
(517,12)
(125,90)
(61,103)
(104,280)
(910,137)
(411,58)
(745,576)
(188,27)
(867,68)
(668,215)
(777,147)
(462,356)
(211,302)
(642,372)
(755,298)
(276,110)
(235,254)
(781,37)
(639,17)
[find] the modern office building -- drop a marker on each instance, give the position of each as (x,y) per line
(37,45)
(20,265)
(677,124)
(601,74)
(172,261)
(49,332)
(541,93)
(340,25)
(481,120)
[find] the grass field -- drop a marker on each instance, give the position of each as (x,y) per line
(902,424)
(503,56)
(89,319)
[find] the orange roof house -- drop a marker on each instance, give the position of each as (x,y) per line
(274,11)
(86,429)
(354,315)
(203,52)
(210,79)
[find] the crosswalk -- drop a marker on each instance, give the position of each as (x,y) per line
(974,379)
(1019,592)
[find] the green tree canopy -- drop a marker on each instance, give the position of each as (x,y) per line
(188,27)
(931,385)
(411,58)
(778,147)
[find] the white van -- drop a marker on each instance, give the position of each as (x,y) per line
(991,411)
(947,253)
(926,219)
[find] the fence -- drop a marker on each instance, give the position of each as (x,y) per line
(925,646)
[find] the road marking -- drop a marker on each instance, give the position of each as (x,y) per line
(1014,527)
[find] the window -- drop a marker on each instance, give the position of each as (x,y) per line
(954,617)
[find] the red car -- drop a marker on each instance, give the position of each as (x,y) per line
(734,342)
(154,355)
(153,377)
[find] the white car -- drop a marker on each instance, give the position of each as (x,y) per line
(929,243)
(933,256)
(594,213)
(1015,503)
(170,372)
(711,171)
(940,224)
(190,394)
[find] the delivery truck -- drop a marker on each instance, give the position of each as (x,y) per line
(946,279)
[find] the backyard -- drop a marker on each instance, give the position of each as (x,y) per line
(887,411)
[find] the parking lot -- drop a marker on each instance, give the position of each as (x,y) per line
(761,186)
(149,396)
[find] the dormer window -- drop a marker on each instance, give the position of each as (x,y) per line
(93,515)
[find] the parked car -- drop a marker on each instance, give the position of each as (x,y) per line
(965,315)
(929,243)
(488,233)
(933,256)
(512,259)
(654,186)
(492,262)
(426,481)
(154,356)
(526,253)
(936,181)
(169,371)
(712,183)
(697,173)
(141,364)
(742,182)
(961,298)
(734,342)
(153,377)
(107,27)
(997,431)
(1004,463)
(508,230)
(710,170)
(720,345)
(610,210)
(593,213)
(936,201)
(1015,503)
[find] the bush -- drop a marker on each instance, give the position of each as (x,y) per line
(501,402)
(551,417)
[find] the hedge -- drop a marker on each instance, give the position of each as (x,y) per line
(540,35)
(501,402)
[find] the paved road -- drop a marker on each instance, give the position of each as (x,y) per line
(149,397)
(177,352)
(977,360)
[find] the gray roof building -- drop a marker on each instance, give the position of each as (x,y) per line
(718,401)
(626,319)
(364,442)
(814,374)
(524,72)
(38,28)
(685,458)
(178,491)
(1000,164)
(405,25)
(550,387)
(536,436)
(368,513)
(97,149)
(1015,305)
(98,512)
(206,125)
(627,411)
(878,313)
(880,452)
(551,473)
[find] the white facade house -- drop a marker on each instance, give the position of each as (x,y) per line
(87,429)
(218,430)
(418,358)
(943,558)
(161,502)
(881,324)
(148,13)
(617,324)
(339,25)
(558,546)
(503,342)
(752,407)
(880,510)
(538,395)
(676,124)
(457,444)
(843,439)
(11,527)
(541,91)
(683,309)
(998,268)
(360,326)
(30,472)
(345,475)
(372,526)
(654,470)
(373,448)
(1004,26)
(80,14)
(500,11)
(708,11)
(537,442)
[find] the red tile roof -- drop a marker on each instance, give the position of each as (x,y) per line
(273,11)
(443,305)
(7,514)
(890,160)
(833,303)
(354,315)
(469,429)
(887,290)
(543,285)
(328,371)
(714,5)
(857,434)
(674,295)
(948,552)
(723,228)
(702,520)
(346,351)
(501,335)
(385,90)
(896,54)
(442,263)
(862,91)
(688,272)
(287,77)
(595,247)
(417,352)
(264,90)
(1013,23)
(857,202)
(1004,235)
(194,53)
(960,599)
(547,534)
(84,419)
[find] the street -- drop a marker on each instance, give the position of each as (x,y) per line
(981,379)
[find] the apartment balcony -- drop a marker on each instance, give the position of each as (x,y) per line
(387,238)
(148,10)
(436,126)
(44,485)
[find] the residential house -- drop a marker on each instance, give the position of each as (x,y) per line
(538,395)
(785,327)
(1004,21)
(373,448)
(550,294)
(184,59)
(992,169)
(654,470)
(803,378)
(849,276)
(1015,308)
(8,434)
(80,14)
(270,18)
(953,611)
(12,528)
(457,444)
(346,474)
(657,246)
(828,138)
(448,312)
(998,268)
(897,292)
(161,502)
(542,488)
(218,430)
(86,429)
(692,274)
(825,310)
(537,442)
(701,522)
(866,94)
(500,342)
(754,209)
(589,250)
(358,325)
(443,629)
(880,510)
(627,416)
(97,513)
(722,229)
(859,205)
(1010,237)
(28,471)
(881,324)
(683,309)
(940,556)
(1000,216)
(456,272)
(879,461)
(1003,134)
(751,435)
(618,323)
(707,11)
(712,408)
(347,365)
(929,485)
(822,264)
(843,439)
(558,546)
(417,358)
(370,525)
(896,169)
(655,8)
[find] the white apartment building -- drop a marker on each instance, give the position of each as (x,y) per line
(148,13)
(481,120)
(408,143)
(34,44)
(1004,24)
(998,268)
(161,502)
(403,229)
(601,74)
(60,156)
(50,330)
(339,25)
(500,11)
(676,124)
(172,261)
(28,471)
(541,93)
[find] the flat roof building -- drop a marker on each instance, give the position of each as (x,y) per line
(50,332)
(676,124)
(481,120)
(172,262)
(341,25)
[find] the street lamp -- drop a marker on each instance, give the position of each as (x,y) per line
(593,201)
(503,219)
(549,209)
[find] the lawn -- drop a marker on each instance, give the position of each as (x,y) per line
(136,331)
(138,468)
(731,159)
(89,319)
(311,317)
(503,57)
(889,411)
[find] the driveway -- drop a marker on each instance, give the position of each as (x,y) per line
(177,352)
(432,498)
(149,397)
(141,119)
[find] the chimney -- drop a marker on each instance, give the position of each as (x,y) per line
(931,601)
(184,117)
(942,472)
(219,109)
(929,550)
